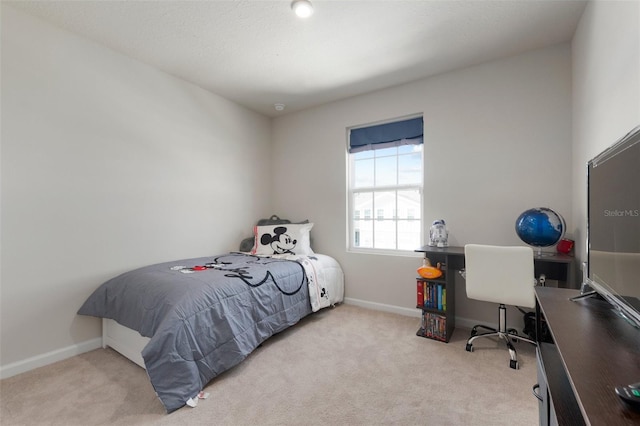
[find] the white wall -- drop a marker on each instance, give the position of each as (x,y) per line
(606,91)
(497,141)
(108,164)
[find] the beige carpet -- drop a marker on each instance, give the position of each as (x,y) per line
(343,366)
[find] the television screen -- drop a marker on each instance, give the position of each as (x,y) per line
(614,224)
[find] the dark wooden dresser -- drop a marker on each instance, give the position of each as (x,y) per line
(593,351)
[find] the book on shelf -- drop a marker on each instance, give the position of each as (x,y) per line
(433,326)
(444,299)
(431,295)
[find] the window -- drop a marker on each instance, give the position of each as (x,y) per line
(385,177)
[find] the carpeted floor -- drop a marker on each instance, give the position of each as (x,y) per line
(341,366)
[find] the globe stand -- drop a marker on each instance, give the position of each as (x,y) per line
(540,253)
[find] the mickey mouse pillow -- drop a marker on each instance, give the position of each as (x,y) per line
(289,238)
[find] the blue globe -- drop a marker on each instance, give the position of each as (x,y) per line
(540,227)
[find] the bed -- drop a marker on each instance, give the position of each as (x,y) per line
(188,321)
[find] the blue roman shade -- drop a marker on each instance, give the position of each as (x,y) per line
(406,132)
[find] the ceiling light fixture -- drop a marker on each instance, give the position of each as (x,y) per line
(279,107)
(302,8)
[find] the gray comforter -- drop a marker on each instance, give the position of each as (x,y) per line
(202,322)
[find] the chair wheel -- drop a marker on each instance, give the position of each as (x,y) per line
(469,347)
(513,364)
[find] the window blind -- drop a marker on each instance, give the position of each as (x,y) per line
(397,133)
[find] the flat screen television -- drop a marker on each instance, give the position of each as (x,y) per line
(613,225)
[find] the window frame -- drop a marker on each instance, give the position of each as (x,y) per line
(352,238)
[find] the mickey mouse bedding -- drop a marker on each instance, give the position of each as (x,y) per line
(205,315)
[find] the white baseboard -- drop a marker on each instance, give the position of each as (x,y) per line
(383,307)
(49,358)
(460,322)
(470,323)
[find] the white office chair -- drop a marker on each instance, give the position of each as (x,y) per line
(501,275)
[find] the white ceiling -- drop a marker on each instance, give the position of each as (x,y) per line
(258,53)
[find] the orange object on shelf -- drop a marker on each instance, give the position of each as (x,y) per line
(428,271)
